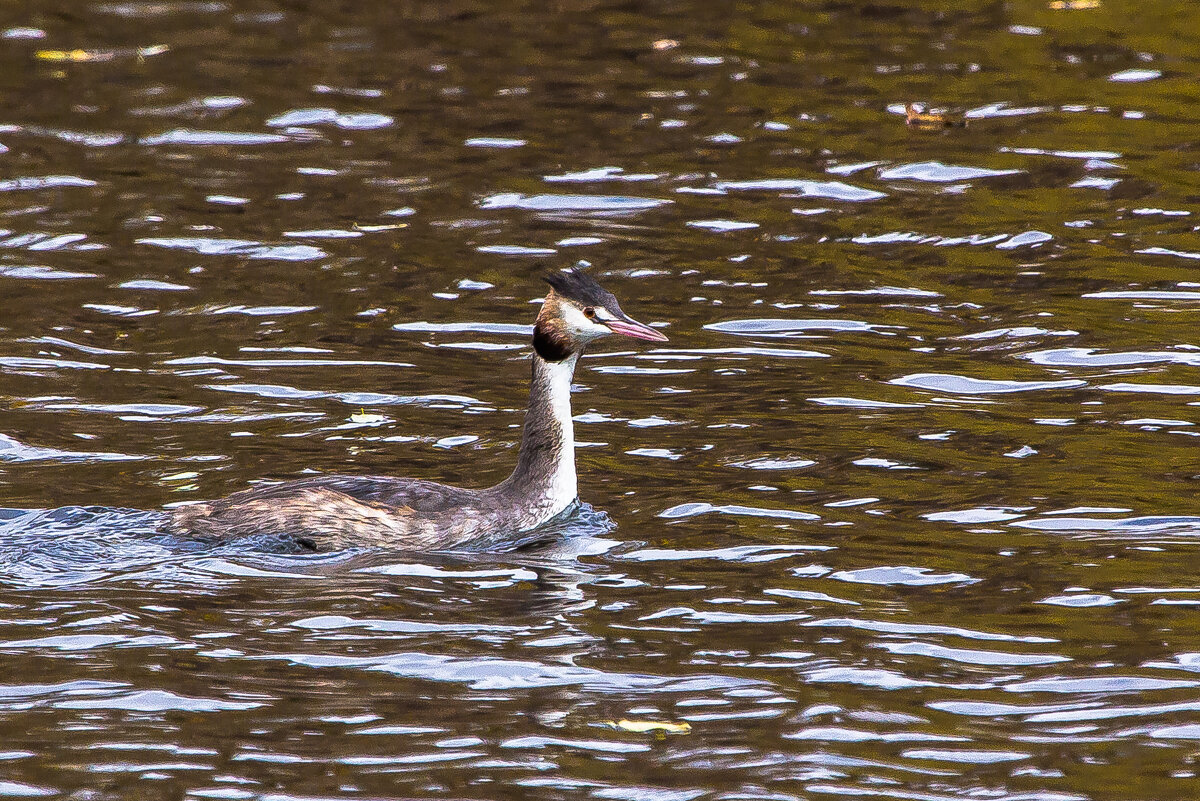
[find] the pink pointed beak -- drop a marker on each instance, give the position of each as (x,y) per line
(632,328)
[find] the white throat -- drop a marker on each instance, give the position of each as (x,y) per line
(563,487)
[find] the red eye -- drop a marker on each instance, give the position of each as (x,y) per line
(589,313)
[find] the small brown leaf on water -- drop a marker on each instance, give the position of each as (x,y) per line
(930,120)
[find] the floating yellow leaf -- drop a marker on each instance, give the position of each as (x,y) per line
(80,56)
(1074,5)
(59,56)
(642,726)
(370,229)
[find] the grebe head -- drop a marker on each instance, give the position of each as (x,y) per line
(578,311)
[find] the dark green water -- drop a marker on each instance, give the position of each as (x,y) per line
(906,509)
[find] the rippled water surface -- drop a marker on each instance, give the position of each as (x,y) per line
(906,508)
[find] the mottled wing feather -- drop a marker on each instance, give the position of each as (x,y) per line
(426,497)
(328,512)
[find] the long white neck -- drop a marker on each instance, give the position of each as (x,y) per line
(544,478)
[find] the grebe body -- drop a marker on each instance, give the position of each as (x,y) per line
(335,512)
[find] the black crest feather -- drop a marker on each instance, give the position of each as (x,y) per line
(574,284)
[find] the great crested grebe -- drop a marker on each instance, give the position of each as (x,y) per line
(334,512)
